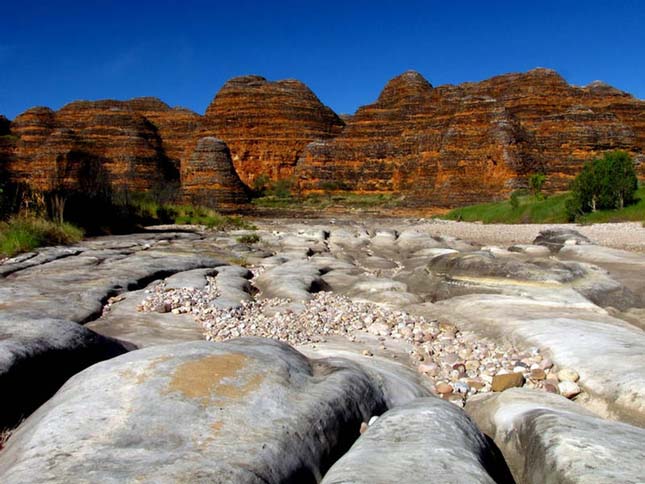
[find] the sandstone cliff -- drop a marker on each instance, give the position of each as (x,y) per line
(474,142)
(208,177)
(438,146)
(267,125)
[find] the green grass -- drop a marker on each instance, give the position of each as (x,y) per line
(322,201)
(25,233)
(548,210)
(146,209)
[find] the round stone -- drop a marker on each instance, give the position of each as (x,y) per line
(567,374)
(568,389)
(444,388)
(538,374)
(461,387)
(551,388)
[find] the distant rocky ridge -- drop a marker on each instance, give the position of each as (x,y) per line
(435,146)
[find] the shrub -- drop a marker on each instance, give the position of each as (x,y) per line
(606,183)
(260,184)
(280,188)
(536,183)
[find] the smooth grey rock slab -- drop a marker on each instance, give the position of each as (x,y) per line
(549,439)
(399,383)
(233,286)
(426,440)
(249,410)
(75,288)
(295,280)
(555,239)
(599,255)
(194,279)
(38,356)
(123,321)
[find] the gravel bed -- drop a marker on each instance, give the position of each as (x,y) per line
(459,364)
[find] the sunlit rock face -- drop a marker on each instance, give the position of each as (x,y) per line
(267,125)
(454,145)
(440,146)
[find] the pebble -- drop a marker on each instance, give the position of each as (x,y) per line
(439,350)
(461,387)
(537,374)
(444,388)
(507,380)
(567,374)
(550,388)
(568,389)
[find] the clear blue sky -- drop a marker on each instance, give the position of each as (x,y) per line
(54,52)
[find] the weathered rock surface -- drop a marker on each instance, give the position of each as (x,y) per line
(556,239)
(249,410)
(547,439)
(426,440)
(43,290)
(526,311)
(44,295)
(432,143)
(267,124)
(38,355)
(208,177)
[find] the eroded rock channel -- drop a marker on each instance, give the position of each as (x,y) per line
(331,351)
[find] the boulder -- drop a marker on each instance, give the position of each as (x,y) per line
(426,440)
(248,410)
(555,239)
(548,439)
(38,355)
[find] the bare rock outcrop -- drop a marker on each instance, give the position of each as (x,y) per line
(208,177)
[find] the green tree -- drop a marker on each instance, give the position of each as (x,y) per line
(605,183)
(536,183)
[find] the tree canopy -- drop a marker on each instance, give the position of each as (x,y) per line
(605,183)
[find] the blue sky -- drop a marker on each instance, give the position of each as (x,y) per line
(54,52)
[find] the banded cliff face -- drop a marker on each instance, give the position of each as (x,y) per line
(208,176)
(438,146)
(267,125)
(114,139)
(474,142)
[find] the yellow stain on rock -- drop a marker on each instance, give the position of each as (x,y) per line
(213,377)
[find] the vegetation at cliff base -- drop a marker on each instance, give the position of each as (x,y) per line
(23,233)
(606,190)
(552,209)
(605,183)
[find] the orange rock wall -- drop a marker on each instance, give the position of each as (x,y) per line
(437,146)
(267,125)
(455,145)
